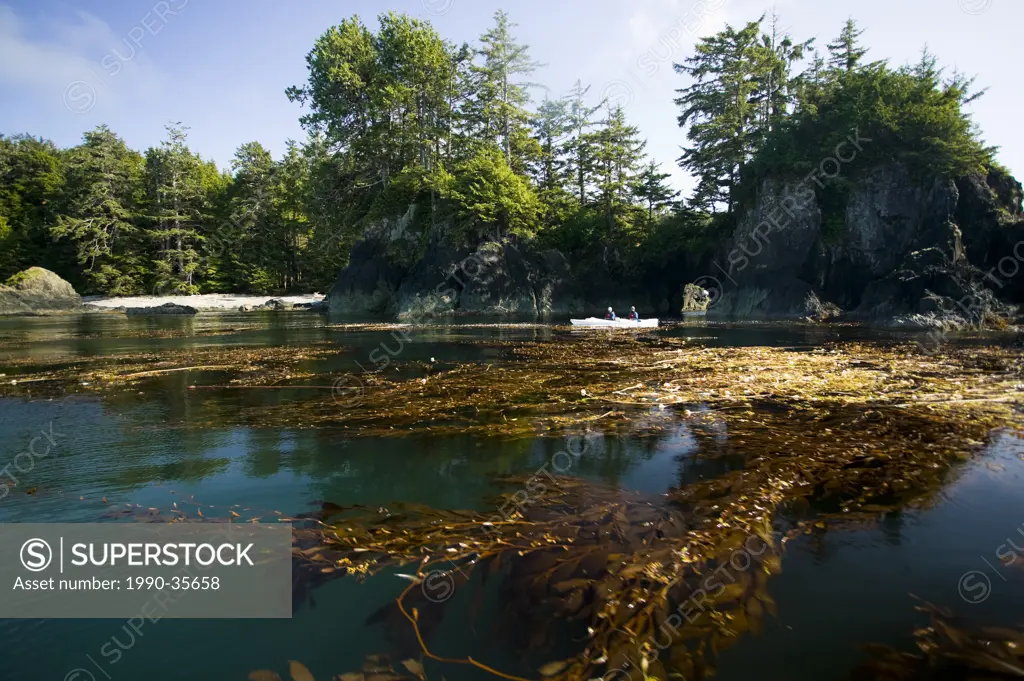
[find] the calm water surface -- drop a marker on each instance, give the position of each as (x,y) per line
(833,594)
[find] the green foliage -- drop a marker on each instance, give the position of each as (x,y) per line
(845,50)
(259,280)
(501,98)
(618,151)
(405,189)
(652,190)
(903,114)
(31,181)
(720,111)
(8,247)
(748,118)
(176,201)
(100,212)
(487,192)
(16,279)
(406,128)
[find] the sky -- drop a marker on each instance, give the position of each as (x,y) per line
(221,66)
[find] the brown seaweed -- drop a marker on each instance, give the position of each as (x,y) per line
(825,438)
(948,650)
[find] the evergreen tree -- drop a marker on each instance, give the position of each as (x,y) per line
(331,206)
(810,84)
(174,184)
(579,147)
(253,219)
(778,88)
(292,173)
(343,89)
(99,213)
(651,188)
(413,65)
(31,184)
(461,137)
(846,51)
(488,193)
(720,112)
(398,117)
(619,150)
(501,94)
(551,125)
(552,128)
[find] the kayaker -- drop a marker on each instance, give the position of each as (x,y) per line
(610,315)
(633,314)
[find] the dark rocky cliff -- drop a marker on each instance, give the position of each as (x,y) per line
(901,253)
(391,273)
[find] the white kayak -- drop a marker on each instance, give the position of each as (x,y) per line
(594,322)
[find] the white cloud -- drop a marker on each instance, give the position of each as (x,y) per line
(80,64)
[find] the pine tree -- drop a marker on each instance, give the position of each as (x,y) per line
(501,94)
(99,213)
(292,173)
(619,150)
(579,148)
(720,112)
(651,188)
(175,199)
(846,51)
(777,91)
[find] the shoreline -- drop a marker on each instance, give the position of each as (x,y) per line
(206,302)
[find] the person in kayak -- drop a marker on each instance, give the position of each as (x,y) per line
(633,314)
(610,315)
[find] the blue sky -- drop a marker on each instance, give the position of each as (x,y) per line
(221,66)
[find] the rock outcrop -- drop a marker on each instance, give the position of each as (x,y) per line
(38,291)
(498,276)
(368,285)
(167,309)
(897,254)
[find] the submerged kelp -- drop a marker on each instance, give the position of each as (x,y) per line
(621,564)
(375,668)
(949,651)
(656,584)
(818,439)
(839,437)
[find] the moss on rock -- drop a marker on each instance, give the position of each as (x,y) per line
(37,290)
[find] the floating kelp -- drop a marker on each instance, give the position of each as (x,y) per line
(841,437)
(542,386)
(243,366)
(823,439)
(662,583)
(948,651)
